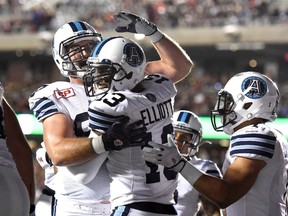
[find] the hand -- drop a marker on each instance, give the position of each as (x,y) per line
(121,135)
(166,155)
(129,22)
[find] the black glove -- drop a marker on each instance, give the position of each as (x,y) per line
(129,22)
(121,135)
(32,210)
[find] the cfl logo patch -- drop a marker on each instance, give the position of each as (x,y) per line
(64,93)
(118,143)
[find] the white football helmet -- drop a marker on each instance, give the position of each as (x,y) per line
(187,122)
(67,35)
(117,63)
(246,96)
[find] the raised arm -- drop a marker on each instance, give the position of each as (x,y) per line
(174,61)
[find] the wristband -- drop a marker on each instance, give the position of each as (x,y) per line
(191,173)
(48,159)
(98,144)
(179,166)
(156,36)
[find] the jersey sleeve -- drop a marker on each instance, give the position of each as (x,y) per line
(255,144)
(41,104)
(103,113)
(208,167)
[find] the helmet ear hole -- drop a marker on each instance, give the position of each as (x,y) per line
(127,61)
(129,75)
(247,105)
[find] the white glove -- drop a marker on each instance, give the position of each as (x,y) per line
(41,158)
(129,22)
(166,155)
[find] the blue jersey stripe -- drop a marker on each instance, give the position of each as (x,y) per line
(258,144)
(264,136)
(100,121)
(120,211)
(251,151)
(44,107)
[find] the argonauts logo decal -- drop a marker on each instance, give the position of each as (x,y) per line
(134,54)
(255,87)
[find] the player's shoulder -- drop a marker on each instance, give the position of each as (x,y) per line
(254,141)
(53,89)
(110,103)
(160,85)
(159,79)
(258,130)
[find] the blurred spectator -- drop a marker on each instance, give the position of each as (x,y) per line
(31,16)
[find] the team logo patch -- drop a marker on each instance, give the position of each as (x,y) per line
(134,54)
(255,87)
(151,97)
(64,93)
(174,160)
(118,142)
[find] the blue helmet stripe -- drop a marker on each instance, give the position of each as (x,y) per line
(184,117)
(77,26)
(100,45)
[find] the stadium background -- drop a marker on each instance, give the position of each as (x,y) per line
(222,37)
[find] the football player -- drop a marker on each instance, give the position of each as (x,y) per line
(188,136)
(254,173)
(118,88)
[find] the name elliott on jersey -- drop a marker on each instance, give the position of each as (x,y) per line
(157,113)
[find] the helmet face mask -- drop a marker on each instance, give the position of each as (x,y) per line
(72,45)
(124,62)
(223,109)
(187,132)
(98,81)
(75,58)
(246,96)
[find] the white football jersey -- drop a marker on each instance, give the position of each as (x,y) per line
(134,179)
(187,197)
(266,197)
(71,100)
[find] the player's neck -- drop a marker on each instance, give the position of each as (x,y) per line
(77,81)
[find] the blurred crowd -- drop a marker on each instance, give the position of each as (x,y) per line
(197,91)
(30,16)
